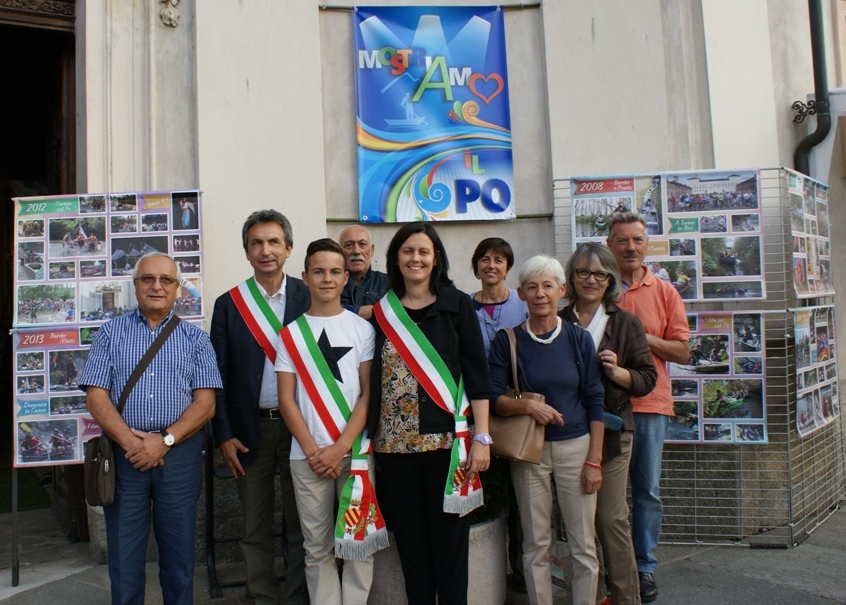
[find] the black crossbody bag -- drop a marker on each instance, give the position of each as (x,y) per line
(99,456)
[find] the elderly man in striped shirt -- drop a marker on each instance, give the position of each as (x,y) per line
(157,443)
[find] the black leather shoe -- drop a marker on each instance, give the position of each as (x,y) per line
(648,587)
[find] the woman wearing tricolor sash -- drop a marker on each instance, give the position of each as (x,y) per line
(323,371)
(428,382)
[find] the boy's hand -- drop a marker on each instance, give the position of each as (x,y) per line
(332,473)
(326,462)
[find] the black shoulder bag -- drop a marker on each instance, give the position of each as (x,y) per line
(99,457)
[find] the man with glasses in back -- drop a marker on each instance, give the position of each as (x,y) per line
(157,441)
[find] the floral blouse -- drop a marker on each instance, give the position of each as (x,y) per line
(399,421)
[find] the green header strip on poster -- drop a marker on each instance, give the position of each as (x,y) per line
(70,204)
(684,225)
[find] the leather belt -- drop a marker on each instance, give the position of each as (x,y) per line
(270,413)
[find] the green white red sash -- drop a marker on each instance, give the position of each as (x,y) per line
(463,491)
(258,315)
(360,528)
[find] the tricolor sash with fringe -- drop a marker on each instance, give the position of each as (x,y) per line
(258,315)
(463,491)
(360,528)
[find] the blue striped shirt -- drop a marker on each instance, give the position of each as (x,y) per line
(165,390)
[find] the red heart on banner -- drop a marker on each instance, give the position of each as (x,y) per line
(500,86)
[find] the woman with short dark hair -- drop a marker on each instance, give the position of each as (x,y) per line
(496,306)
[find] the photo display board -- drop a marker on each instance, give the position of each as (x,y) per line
(719,394)
(704,227)
(817,397)
(75,257)
(809,226)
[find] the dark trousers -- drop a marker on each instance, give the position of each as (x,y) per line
(257,494)
(433,545)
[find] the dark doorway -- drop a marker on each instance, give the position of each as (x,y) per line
(37,157)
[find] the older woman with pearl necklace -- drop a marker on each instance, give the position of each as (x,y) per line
(557,359)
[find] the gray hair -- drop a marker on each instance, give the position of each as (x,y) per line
(268,216)
(348,227)
(153,255)
(586,254)
(541,264)
(622,218)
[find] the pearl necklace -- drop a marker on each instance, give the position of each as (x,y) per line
(545,341)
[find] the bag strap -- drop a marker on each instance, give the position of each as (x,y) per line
(145,361)
(513,340)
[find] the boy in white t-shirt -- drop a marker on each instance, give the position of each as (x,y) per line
(323,368)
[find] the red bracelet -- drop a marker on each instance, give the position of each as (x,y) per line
(593,465)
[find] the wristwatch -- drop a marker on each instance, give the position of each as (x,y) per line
(168,439)
(483,438)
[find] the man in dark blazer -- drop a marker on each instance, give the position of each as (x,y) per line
(248,428)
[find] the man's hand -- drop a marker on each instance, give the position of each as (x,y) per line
(148,452)
(675,351)
(229,450)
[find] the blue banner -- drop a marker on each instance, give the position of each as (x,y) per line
(433,119)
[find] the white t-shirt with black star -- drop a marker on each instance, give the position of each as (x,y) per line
(346,341)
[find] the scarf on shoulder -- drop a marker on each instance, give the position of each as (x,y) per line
(258,315)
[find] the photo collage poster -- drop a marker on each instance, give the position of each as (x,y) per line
(51,421)
(75,257)
(719,394)
(704,227)
(817,400)
(809,226)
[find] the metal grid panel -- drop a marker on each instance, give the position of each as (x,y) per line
(759,495)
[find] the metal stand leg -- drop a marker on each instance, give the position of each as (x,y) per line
(16,564)
(215,591)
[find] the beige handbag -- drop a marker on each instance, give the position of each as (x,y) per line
(517,437)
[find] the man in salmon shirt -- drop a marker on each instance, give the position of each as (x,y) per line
(661,310)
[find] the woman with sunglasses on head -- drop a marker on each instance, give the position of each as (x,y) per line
(498,307)
(626,368)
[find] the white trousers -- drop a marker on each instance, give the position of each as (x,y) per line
(563,461)
(316,500)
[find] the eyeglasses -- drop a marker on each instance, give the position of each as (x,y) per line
(165,280)
(599,276)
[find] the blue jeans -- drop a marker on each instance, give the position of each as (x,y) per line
(168,496)
(645,475)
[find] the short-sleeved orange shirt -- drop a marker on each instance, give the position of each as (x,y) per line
(661,311)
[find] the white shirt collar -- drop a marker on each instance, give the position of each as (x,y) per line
(280,293)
